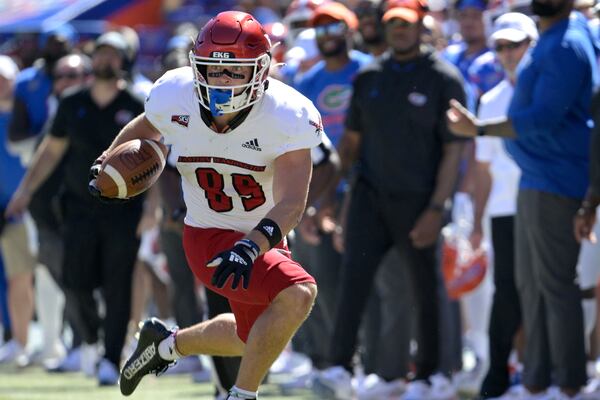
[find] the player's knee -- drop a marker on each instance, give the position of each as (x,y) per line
(310,291)
(298,299)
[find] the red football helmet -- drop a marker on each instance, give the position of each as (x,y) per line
(231,39)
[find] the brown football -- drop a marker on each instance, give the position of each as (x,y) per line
(131,168)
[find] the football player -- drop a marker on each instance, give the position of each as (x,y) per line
(244,143)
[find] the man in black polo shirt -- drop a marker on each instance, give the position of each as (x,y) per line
(100,239)
(407,168)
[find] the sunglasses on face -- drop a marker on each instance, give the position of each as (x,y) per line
(508,46)
(67,75)
(334,29)
(399,23)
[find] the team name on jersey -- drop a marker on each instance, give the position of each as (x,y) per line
(221,160)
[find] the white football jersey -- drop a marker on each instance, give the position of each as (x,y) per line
(227,178)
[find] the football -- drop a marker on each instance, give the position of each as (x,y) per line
(131,168)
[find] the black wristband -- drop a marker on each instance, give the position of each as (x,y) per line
(271,230)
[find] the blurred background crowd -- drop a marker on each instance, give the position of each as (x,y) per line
(434,317)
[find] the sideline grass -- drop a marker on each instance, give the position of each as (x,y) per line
(35,384)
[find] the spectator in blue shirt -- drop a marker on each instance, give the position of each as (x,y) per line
(471,55)
(328,84)
(19,263)
(34,85)
(550,122)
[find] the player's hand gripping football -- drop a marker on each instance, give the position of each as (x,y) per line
(236,261)
(93,174)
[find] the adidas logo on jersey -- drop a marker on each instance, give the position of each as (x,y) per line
(252,144)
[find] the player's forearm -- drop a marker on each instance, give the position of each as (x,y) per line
(483,187)
(499,127)
(46,158)
(291,180)
(138,128)
(286,214)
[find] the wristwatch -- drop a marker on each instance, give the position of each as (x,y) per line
(586,208)
(437,207)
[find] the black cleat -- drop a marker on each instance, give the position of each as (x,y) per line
(145,359)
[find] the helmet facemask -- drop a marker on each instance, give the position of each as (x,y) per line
(221,100)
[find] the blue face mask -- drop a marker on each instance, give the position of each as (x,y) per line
(218,98)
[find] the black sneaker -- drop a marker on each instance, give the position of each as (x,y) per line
(145,359)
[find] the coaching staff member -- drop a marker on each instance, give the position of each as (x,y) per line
(100,239)
(407,168)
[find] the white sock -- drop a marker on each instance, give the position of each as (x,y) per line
(167,350)
(237,393)
(589,319)
(50,303)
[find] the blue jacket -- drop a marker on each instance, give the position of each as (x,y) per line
(33,87)
(550,109)
(11,170)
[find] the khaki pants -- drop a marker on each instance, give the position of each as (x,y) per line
(16,250)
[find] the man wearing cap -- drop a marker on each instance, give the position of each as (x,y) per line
(19,262)
(70,71)
(496,186)
(100,239)
(471,55)
(406,168)
(369,13)
(328,84)
(549,120)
